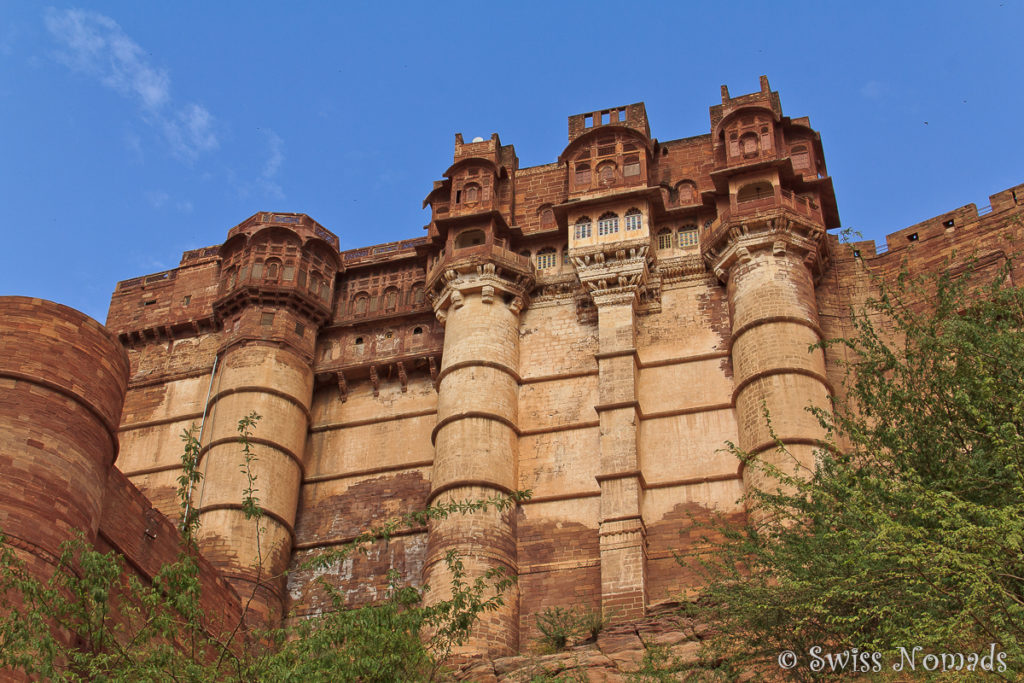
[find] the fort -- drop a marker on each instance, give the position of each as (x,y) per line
(593,330)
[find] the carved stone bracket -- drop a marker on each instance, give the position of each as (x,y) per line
(342,387)
(779,233)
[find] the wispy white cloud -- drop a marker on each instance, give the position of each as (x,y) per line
(275,157)
(95,45)
(185,206)
(873,90)
(157,198)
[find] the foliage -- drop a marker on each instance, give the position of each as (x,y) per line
(592,622)
(557,626)
(93,621)
(909,530)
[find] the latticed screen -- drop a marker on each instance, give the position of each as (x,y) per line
(688,236)
(607,225)
(582,228)
(546,259)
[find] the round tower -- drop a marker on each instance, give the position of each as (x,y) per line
(774,323)
(277,277)
(476,438)
(63,379)
(769,246)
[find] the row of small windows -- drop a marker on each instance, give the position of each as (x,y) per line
(363,303)
(687,236)
(608,224)
(274,271)
(607,171)
(547,257)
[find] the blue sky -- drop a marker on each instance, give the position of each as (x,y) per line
(132,131)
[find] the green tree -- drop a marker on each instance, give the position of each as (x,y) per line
(92,621)
(909,530)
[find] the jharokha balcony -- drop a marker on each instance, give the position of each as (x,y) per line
(763,205)
(468,257)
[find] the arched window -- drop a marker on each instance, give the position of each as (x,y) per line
(547,218)
(753,191)
(273,270)
(606,174)
(582,227)
(688,236)
(664,239)
(634,219)
(232,277)
(361,303)
(470,238)
(525,252)
(607,224)
(687,192)
(390,298)
(582,175)
(471,193)
(418,295)
(546,258)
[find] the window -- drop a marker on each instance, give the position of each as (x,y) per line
(582,228)
(289,273)
(634,219)
(801,159)
(267,319)
(582,175)
(547,218)
(631,166)
(608,224)
(273,270)
(300,329)
(606,174)
(257,270)
(687,192)
(546,258)
(390,298)
(665,239)
(749,144)
(360,304)
(469,238)
(472,193)
(749,193)
(417,330)
(565,253)
(232,276)
(688,236)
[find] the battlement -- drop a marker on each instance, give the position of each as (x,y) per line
(965,218)
(630,116)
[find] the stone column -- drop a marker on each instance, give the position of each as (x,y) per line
(476,442)
(622,532)
(616,274)
(275,381)
(774,322)
(769,265)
